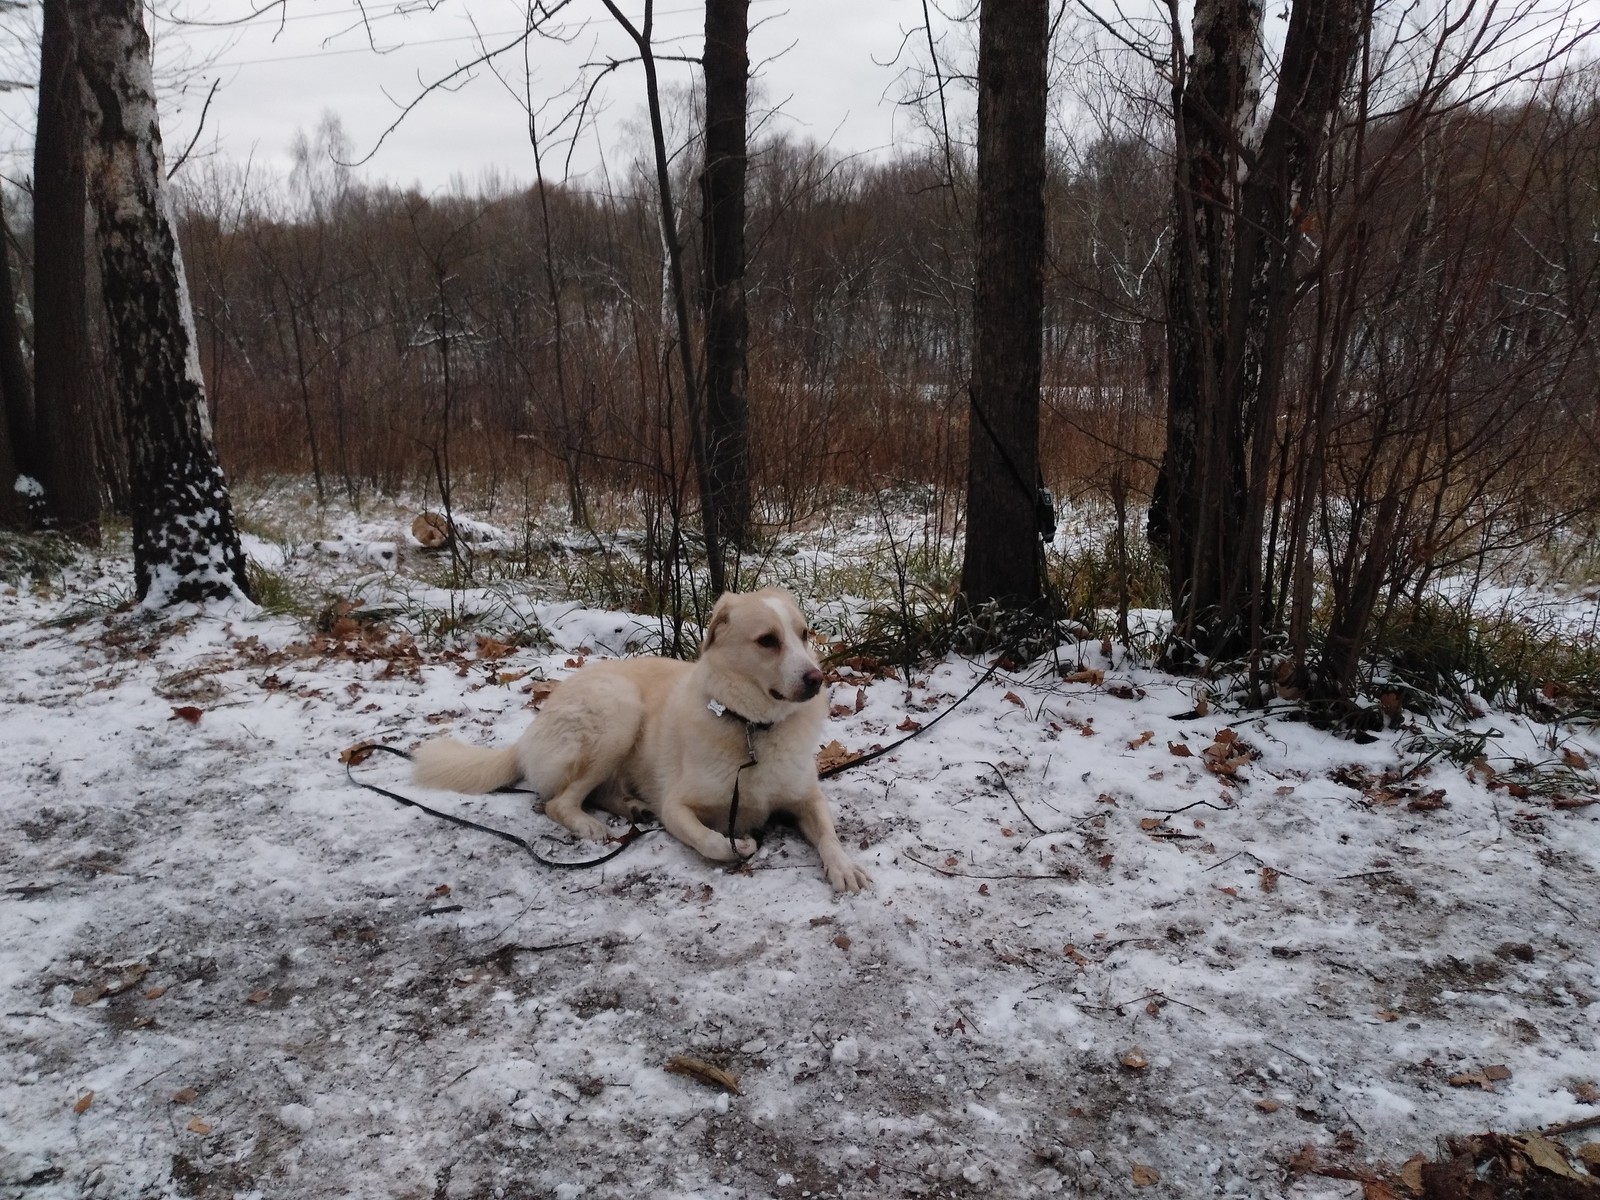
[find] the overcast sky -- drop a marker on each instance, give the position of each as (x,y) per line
(280,71)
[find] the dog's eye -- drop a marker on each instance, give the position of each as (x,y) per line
(769,640)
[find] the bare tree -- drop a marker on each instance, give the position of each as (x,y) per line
(185,545)
(1239,210)
(727,332)
(1004,560)
(16,395)
(62,449)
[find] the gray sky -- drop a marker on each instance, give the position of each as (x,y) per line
(816,60)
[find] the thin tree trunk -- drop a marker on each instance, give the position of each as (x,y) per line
(1231,299)
(710,517)
(16,394)
(185,544)
(727,332)
(1004,560)
(62,450)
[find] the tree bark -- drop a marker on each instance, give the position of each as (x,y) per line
(1004,558)
(16,396)
(1238,210)
(185,545)
(727,331)
(61,450)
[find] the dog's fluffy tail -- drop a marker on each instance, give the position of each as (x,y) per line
(443,762)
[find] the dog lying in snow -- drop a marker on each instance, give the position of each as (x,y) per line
(672,737)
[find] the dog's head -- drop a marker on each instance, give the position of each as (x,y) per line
(760,641)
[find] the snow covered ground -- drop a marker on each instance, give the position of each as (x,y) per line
(1113,946)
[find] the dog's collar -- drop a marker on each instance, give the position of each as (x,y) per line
(719,709)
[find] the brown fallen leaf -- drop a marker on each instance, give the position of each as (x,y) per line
(1134,1059)
(842,940)
(184,1095)
(489,648)
(1149,823)
(1586,1092)
(1377,1189)
(199,1125)
(257,996)
(1269,879)
(506,677)
(186,712)
(1093,676)
(1545,1155)
(835,755)
(1475,1079)
(84,1101)
(1428,802)
(1144,1176)
(1268,1106)
(88,994)
(1179,750)
(1142,739)
(1574,760)
(909,726)
(155,993)
(861,698)
(682,1064)
(355,755)
(1411,1174)
(1589,1155)
(1496,1072)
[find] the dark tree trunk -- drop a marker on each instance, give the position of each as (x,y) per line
(1231,298)
(16,396)
(727,333)
(185,544)
(1004,559)
(62,450)
(16,389)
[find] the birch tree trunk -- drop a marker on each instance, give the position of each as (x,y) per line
(185,545)
(1004,558)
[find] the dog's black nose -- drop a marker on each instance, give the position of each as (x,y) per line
(812,682)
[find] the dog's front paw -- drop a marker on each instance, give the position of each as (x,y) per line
(589,828)
(845,875)
(724,851)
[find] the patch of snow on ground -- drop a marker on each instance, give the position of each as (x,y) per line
(276,984)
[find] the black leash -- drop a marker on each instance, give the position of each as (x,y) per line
(357,755)
(751,728)
(860,759)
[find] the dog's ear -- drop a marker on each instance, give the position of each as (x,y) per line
(719,617)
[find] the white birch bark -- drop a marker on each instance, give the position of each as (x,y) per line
(186,546)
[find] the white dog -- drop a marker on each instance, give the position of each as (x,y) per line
(676,737)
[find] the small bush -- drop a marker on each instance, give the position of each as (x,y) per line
(34,555)
(272,591)
(1441,652)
